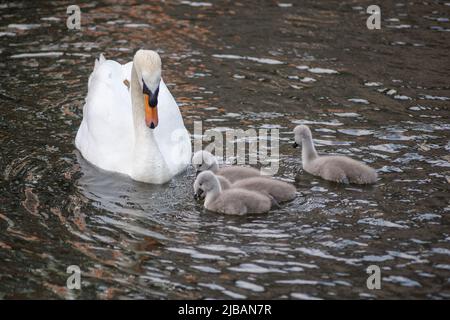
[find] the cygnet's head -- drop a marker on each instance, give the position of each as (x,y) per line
(147,64)
(203,160)
(204,183)
(301,132)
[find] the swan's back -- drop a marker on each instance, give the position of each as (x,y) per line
(105,136)
(279,190)
(240,202)
(235,173)
(342,169)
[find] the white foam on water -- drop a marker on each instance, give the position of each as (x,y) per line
(358,100)
(356,132)
(402,97)
(284,5)
(236,57)
(401,26)
(347,114)
(23,26)
(403,281)
(306,282)
(373,258)
(303,296)
(441,251)
(234,295)
(318,189)
(37,55)
(442,266)
(254,268)
(222,248)
(195,254)
(388,147)
(264,60)
(321,254)
(249,286)
(322,142)
(391,92)
(50,19)
(427,217)
(308,79)
(207,269)
(197,4)
(322,71)
(439,163)
(429,97)
(233,115)
(136,25)
(381,223)
(373,84)
(211,286)
(326,123)
(262,233)
(387,169)
(407,256)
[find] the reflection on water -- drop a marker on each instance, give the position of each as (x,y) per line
(379,96)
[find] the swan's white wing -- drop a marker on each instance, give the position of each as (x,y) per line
(105,137)
(126,70)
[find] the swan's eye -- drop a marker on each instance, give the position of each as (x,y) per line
(145,89)
(200,165)
(153,96)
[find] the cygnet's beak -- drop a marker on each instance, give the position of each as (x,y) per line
(295,145)
(151,106)
(197,173)
(198,195)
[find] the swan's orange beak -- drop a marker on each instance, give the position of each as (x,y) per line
(151,113)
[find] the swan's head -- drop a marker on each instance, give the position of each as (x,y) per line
(203,160)
(204,183)
(147,64)
(301,132)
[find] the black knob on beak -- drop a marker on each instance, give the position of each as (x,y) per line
(198,195)
(295,145)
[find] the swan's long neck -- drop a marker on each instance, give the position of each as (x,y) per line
(214,166)
(148,162)
(309,152)
(224,183)
(214,193)
(137,102)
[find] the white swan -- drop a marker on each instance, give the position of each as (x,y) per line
(137,131)
(339,169)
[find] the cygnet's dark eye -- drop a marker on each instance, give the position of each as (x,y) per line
(199,165)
